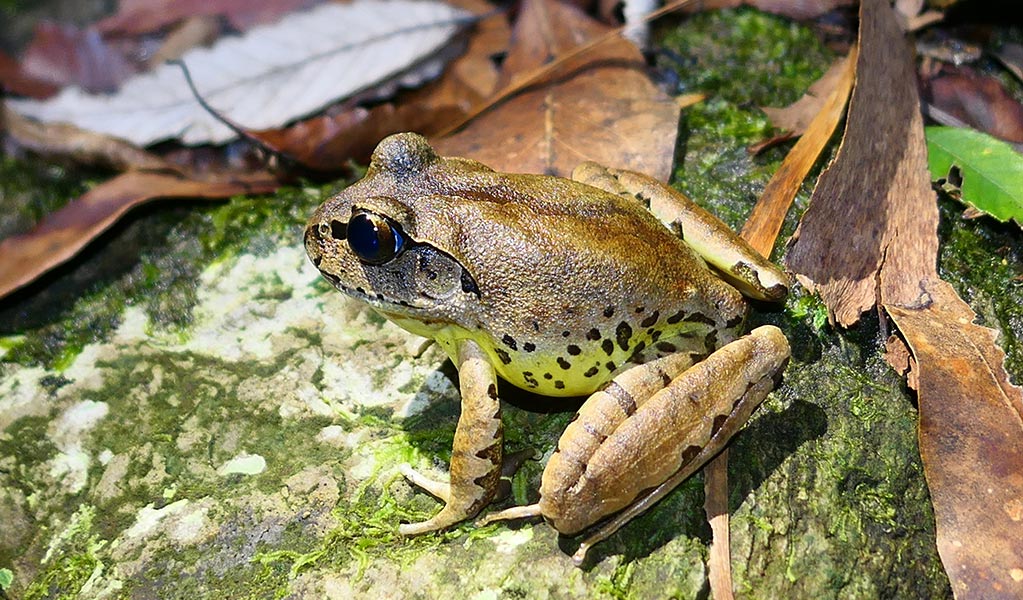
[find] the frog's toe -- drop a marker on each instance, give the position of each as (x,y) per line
(439,489)
(447,517)
(508,514)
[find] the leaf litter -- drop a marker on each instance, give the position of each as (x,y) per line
(597,106)
(931,309)
(271,75)
(869,238)
(350,131)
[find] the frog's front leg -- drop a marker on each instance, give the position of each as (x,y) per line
(477,450)
(744,267)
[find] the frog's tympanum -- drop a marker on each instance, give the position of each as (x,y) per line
(610,285)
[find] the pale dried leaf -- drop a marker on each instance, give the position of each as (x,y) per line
(796,117)
(270,76)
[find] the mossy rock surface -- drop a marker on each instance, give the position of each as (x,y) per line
(188,411)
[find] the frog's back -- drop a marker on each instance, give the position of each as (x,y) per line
(576,282)
(561,283)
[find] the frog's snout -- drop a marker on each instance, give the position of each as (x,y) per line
(321,235)
(312,241)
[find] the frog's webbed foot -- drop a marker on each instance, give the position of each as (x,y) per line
(447,517)
(451,514)
(442,491)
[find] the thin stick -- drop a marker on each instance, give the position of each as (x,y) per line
(715,504)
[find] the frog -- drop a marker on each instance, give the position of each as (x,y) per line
(608,285)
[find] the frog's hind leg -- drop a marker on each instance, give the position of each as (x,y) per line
(744,267)
(602,413)
(477,450)
(669,437)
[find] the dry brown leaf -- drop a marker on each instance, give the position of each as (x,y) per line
(971,442)
(976,100)
(192,32)
(911,15)
(796,117)
(135,17)
(61,235)
(14,80)
(863,236)
(328,142)
(63,54)
(764,223)
(599,106)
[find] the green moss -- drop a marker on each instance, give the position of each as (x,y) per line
(73,558)
(27,439)
(368,526)
(208,403)
(744,55)
(982,259)
(6,579)
(720,49)
(31,190)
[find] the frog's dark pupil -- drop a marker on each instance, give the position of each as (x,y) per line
(373,238)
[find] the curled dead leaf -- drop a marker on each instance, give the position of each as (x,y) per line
(971,442)
(63,54)
(871,229)
(599,106)
(61,235)
(975,100)
(764,223)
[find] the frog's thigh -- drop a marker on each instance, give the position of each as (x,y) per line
(598,418)
(476,452)
(663,434)
(747,269)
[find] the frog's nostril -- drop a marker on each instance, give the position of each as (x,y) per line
(339,230)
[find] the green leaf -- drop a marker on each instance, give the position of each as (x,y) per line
(6,579)
(991,170)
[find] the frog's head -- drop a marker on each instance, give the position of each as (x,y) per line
(373,242)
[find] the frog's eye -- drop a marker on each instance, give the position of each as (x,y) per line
(374,239)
